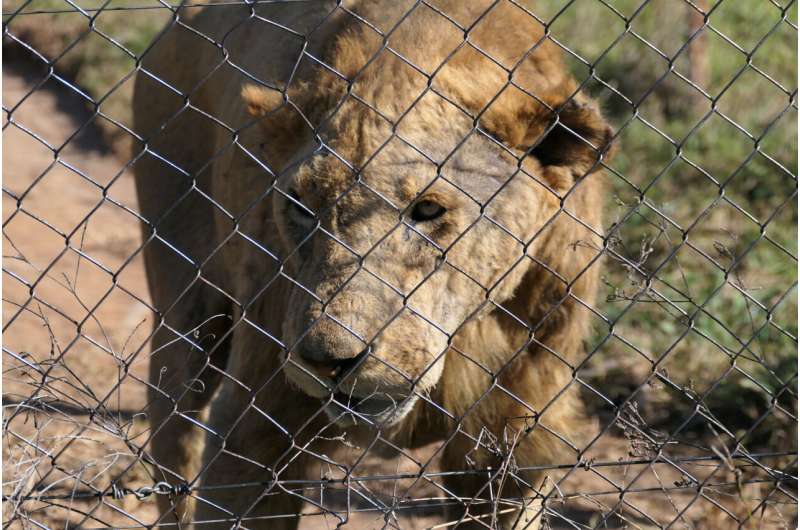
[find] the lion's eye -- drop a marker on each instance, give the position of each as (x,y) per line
(298,209)
(427,211)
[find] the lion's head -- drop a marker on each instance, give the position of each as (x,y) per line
(410,202)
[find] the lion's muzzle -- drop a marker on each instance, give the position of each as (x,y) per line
(334,369)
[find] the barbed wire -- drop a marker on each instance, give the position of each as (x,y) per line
(165,488)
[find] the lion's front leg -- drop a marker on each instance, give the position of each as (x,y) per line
(181,386)
(256,459)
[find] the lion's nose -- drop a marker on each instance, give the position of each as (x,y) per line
(332,368)
(330,349)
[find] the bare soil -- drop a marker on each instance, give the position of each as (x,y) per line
(75,311)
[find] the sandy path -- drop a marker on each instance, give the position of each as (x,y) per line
(61,198)
(83,317)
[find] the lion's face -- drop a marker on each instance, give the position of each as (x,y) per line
(409,219)
(393,246)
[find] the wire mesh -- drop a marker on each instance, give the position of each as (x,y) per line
(419,264)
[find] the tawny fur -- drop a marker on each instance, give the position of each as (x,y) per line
(481,313)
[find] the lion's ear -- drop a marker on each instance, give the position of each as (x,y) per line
(261,101)
(577,137)
(568,133)
(282,125)
(302,104)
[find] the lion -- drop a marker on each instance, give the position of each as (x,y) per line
(370,222)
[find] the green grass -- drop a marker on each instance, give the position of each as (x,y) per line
(692,192)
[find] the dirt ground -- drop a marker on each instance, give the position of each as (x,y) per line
(76,320)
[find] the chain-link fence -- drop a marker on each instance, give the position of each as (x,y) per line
(415,264)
